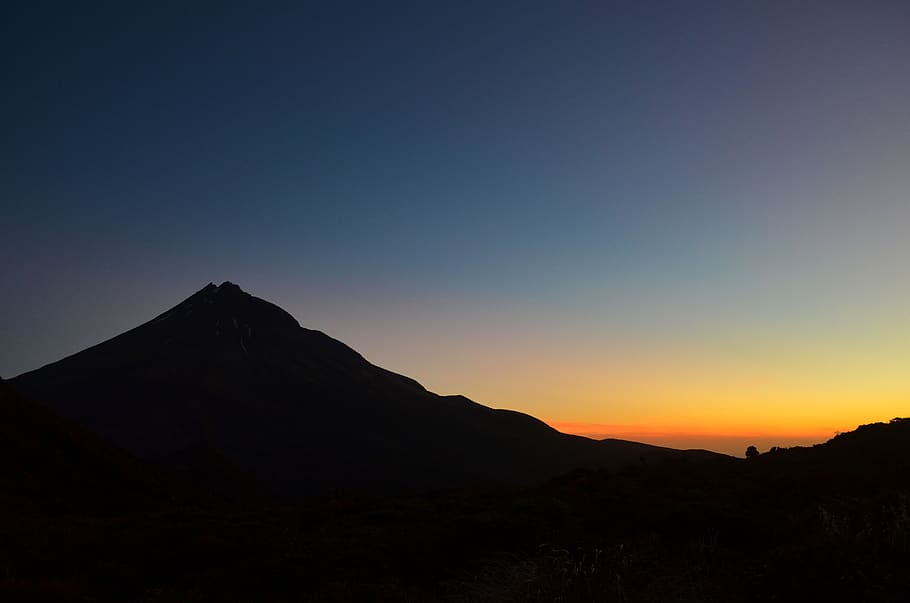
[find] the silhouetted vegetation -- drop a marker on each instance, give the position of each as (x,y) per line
(831,522)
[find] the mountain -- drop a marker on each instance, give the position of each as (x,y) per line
(304,413)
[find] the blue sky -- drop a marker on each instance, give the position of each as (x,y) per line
(425,179)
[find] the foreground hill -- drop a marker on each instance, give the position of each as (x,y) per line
(50,463)
(301,411)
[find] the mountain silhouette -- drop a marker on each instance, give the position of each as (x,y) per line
(226,371)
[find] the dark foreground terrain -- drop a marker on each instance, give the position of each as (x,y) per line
(83,521)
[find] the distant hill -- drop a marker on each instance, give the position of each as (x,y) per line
(304,413)
(861,461)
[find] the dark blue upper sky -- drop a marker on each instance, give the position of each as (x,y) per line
(610,169)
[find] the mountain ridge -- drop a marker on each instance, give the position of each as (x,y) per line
(301,410)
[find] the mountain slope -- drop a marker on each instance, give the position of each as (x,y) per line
(302,411)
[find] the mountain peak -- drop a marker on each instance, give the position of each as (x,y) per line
(225,287)
(228,286)
(225,308)
(226,292)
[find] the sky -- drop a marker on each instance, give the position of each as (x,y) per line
(686,223)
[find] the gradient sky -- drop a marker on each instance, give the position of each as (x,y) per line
(679,222)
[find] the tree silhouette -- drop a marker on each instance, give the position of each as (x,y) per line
(751,451)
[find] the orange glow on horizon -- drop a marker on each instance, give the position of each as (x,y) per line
(733,442)
(683,378)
